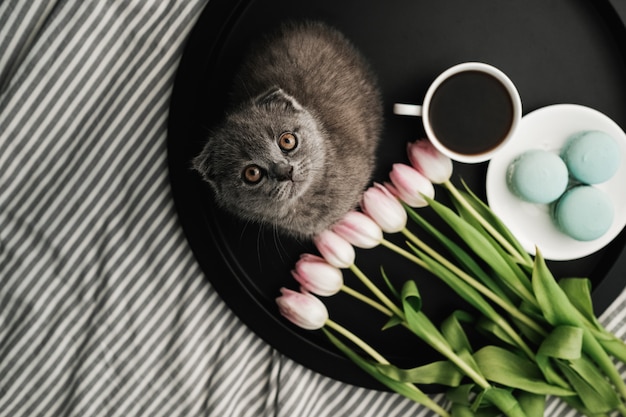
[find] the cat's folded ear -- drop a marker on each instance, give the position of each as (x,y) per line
(201,165)
(277,97)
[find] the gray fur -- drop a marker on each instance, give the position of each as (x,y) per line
(307,79)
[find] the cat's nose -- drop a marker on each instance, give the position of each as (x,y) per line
(281,171)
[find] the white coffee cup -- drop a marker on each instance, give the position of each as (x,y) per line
(469,112)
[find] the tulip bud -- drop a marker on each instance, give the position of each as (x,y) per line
(431,163)
(335,249)
(317,276)
(410,186)
(385,209)
(302,309)
(359,230)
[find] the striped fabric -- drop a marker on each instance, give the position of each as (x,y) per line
(103,309)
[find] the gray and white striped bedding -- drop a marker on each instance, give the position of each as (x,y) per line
(103,309)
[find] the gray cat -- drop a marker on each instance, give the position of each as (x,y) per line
(297,148)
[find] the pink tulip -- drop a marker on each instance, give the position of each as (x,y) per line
(317,276)
(302,309)
(335,249)
(429,161)
(410,186)
(359,229)
(385,209)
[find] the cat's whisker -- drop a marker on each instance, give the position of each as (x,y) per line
(278,244)
(243,230)
(206,129)
(242,236)
(258,246)
(280,249)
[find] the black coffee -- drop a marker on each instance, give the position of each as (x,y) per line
(471,112)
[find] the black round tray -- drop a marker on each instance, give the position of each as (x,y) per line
(566,51)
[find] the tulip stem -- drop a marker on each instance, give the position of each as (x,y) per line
(520,258)
(357,341)
(376,291)
(413,392)
(404,253)
(512,310)
(444,349)
(367,300)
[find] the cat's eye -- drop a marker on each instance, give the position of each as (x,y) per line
(252,174)
(287,142)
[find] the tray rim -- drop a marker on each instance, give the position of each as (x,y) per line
(603,294)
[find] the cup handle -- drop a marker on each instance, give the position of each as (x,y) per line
(407,109)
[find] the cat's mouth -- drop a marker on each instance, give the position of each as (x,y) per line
(298,183)
(291,189)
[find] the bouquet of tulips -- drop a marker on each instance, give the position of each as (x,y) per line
(544,337)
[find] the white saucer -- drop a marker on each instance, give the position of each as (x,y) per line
(548,128)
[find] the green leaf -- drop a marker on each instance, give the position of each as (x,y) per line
(452,330)
(421,326)
(615,347)
(469,294)
(489,328)
(593,390)
(507,368)
(479,401)
(532,404)
(464,411)
(554,303)
(463,289)
(488,214)
(461,406)
(459,410)
(534,313)
(575,403)
(408,390)
(505,402)
(466,261)
(468,358)
(520,272)
(503,266)
(417,321)
(392,289)
(393,322)
(578,291)
(558,310)
(564,342)
(461,394)
(411,296)
(439,372)
(587,370)
(551,375)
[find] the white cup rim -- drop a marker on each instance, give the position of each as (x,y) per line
(424,109)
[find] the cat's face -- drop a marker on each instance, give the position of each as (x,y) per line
(264,157)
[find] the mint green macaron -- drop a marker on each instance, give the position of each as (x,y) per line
(592,157)
(537,176)
(584,213)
